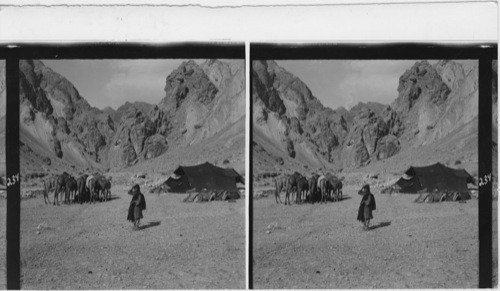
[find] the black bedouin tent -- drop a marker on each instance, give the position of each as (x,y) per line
(204,176)
(435,177)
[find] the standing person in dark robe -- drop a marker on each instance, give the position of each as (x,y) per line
(366,206)
(137,205)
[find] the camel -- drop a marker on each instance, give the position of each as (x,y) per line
(313,181)
(71,188)
(302,188)
(104,186)
(60,186)
(280,184)
(80,182)
(330,187)
(292,185)
(91,187)
(335,186)
(323,187)
(49,185)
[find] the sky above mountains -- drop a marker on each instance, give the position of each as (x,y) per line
(334,82)
(113,82)
(346,82)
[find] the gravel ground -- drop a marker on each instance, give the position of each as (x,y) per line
(181,245)
(323,246)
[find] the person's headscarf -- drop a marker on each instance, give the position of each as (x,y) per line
(364,190)
(135,189)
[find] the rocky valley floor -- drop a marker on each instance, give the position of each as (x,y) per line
(410,245)
(181,245)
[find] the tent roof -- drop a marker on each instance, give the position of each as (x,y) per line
(411,185)
(464,174)
(208,167)
(439,168)
(439,176)
(210,176)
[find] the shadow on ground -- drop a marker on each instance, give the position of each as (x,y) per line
(382,224)
(151,224)
(113,198)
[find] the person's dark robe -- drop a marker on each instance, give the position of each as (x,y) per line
(137,205)
(366,207)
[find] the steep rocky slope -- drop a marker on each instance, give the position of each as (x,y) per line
(289,116)
(59,129)
(56,122)
(117,114)
(199,102)
(435,105)
(436,100)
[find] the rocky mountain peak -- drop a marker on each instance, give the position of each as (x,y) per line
(292,126)
(217,72)
(64,124)
(187,82)
(421,82)
(452,73)
(263,89)
(339,136)
(60,127)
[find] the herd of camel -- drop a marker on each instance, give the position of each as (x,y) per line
(318,188)
(84,188)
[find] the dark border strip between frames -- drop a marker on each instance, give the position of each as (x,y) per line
(12,171)
(485,170)
(485,53)
(395,51)
(12,53)
(126,51)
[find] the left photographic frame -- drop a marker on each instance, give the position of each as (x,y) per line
(114,141)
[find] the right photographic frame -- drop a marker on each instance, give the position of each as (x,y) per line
(373,166)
